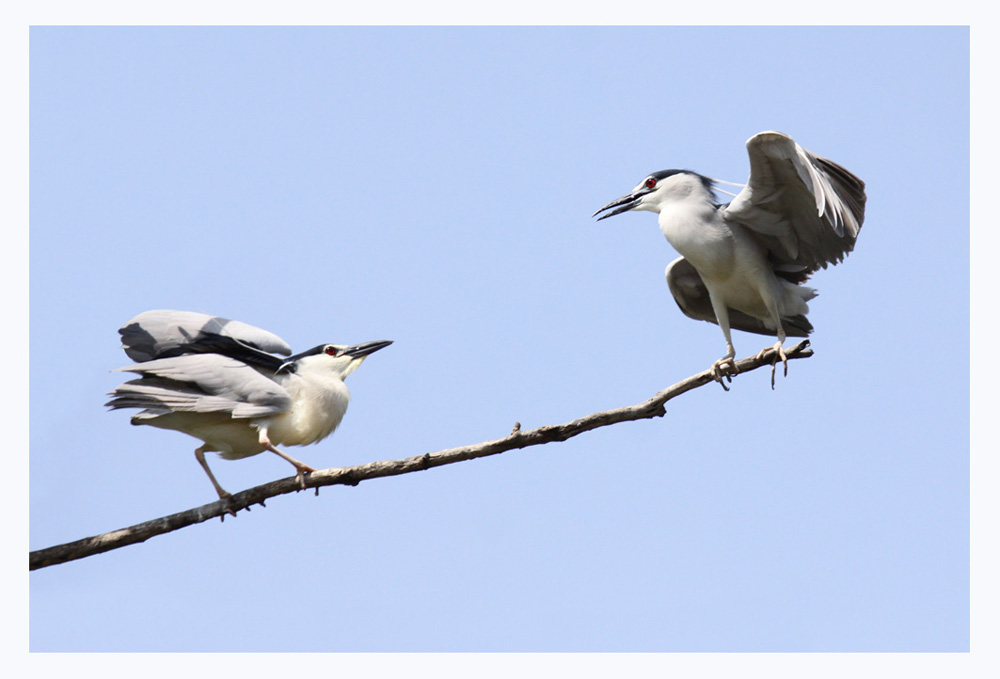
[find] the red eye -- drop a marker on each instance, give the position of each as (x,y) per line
(331,351)
(650,183)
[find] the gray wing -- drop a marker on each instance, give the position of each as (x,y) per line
(164,333)
(691,295)
(806,210)
(200,383)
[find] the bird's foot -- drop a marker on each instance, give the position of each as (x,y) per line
(225,497)
(723,371)
(300,475)
(779,355)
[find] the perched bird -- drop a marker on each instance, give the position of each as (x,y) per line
(743,263)
(219,381)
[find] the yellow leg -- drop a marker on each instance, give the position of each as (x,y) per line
(199,454)
(301,468)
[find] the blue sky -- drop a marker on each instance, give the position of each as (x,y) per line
(435,186)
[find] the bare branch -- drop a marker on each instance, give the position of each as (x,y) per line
(352,476)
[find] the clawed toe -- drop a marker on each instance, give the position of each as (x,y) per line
(300,474)
(724,368)
(779,355)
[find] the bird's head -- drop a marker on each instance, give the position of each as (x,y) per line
(659,189)
(337,359)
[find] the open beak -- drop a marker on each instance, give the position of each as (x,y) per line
(624,204)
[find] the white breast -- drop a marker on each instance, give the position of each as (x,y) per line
(319,404)
(696,231)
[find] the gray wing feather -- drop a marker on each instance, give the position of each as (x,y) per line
(805,209)
(691,295)
(164,332)
(200,383)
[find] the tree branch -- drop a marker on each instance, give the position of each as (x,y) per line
(352,476)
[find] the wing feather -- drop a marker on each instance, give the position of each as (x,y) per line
(691,295)
(163,333)
(200,383)
(806,210)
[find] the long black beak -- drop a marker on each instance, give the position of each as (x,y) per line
(626,203)
(362,350)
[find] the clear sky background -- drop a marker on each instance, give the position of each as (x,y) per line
(434,186)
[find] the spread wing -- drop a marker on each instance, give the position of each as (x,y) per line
(691,295)
(164,333)
(200,383)
(806,210)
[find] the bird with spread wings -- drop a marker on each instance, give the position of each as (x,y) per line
(743,263)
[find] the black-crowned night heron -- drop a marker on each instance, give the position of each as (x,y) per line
(743,263)
(219,381)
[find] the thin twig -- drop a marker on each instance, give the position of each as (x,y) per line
(352,476)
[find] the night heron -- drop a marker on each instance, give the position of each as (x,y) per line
(219,381)
(743,263)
